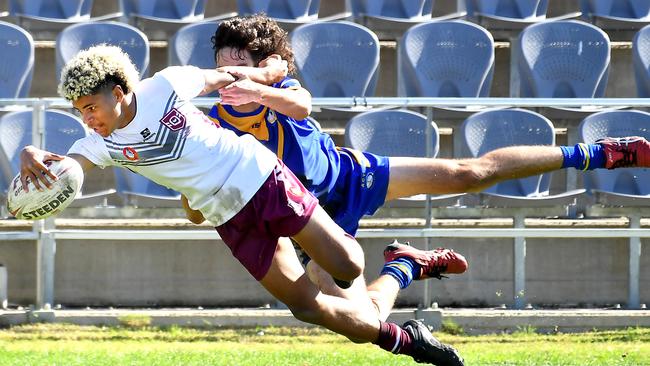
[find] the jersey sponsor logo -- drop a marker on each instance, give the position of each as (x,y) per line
(146,134)
(130,153)
(174,119)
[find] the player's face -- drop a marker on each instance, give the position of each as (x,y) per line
(100,111)
(229,56)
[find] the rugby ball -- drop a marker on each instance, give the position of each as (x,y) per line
(37,205)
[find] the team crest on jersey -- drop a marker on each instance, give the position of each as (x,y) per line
(271,117)
(174,120)
(369,180)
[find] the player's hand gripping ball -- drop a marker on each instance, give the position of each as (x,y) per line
(35,204)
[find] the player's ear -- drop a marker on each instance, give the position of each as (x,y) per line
(118,93)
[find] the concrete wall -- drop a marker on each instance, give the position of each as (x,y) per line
(570,272)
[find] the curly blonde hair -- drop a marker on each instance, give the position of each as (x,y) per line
(95,68)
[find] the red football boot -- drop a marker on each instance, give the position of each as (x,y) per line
(626,152)
(433,263)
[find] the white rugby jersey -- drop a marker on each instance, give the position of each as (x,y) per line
(174,144)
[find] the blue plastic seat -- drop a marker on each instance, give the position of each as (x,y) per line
(136,190)
(17,61)
(405,10)
(641,61)
(46,18)
(522,11)
(398,133)
(618,185)
(282,10)
(160,19)
(391,133)
(192,45)
(336,59)
(445,59)
(66,11)
(505,18)
(489,130)
(165,10)
(563,59)
(617,14)
(389,19)
(62,129)
(81,36)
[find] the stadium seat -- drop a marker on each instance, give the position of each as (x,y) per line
(619,187)
(62,129)
(81,36)
(45,18)
(445,59)
(620,192)
(192,45)
(398,133)
(138,191)
(288,13)
(516,198)
(563,59)
(489,130)
(389,19)
(509,15)
(641,61)
(17,61)
(336,59)
(617,14)
(160,19)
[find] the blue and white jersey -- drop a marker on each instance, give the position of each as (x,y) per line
(310,154)
(174,144)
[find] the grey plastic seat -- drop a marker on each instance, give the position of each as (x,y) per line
(160,19)
(17,61)
(510,16)
(563,59)
(641,61)
(516,198)
(81,36)
(619,187)
(397,133)
(62,129)
(65,11)
(336,59)
(281,9)
(493,129)
(445,59)
(45,18)
(191,45)
(389,19)
(617,14)
(136,190)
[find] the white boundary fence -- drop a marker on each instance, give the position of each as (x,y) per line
(45,233)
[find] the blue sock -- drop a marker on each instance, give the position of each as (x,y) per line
(402,270)
(583,156)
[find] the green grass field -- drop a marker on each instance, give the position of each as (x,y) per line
(60,344)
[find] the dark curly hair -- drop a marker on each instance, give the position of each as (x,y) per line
(258,34)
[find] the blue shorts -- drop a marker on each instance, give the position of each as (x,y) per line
(360,188)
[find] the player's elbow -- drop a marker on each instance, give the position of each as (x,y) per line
(195,218)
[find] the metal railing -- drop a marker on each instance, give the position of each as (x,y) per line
(45,232)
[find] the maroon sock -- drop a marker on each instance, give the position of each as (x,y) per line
(393,338)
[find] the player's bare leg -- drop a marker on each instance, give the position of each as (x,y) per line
(411,176)
(353,318)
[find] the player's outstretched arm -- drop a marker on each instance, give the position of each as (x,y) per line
(195,216)
(33,168)
(270,70)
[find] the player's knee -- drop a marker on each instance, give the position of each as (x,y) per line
(307,312)
(349,267)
